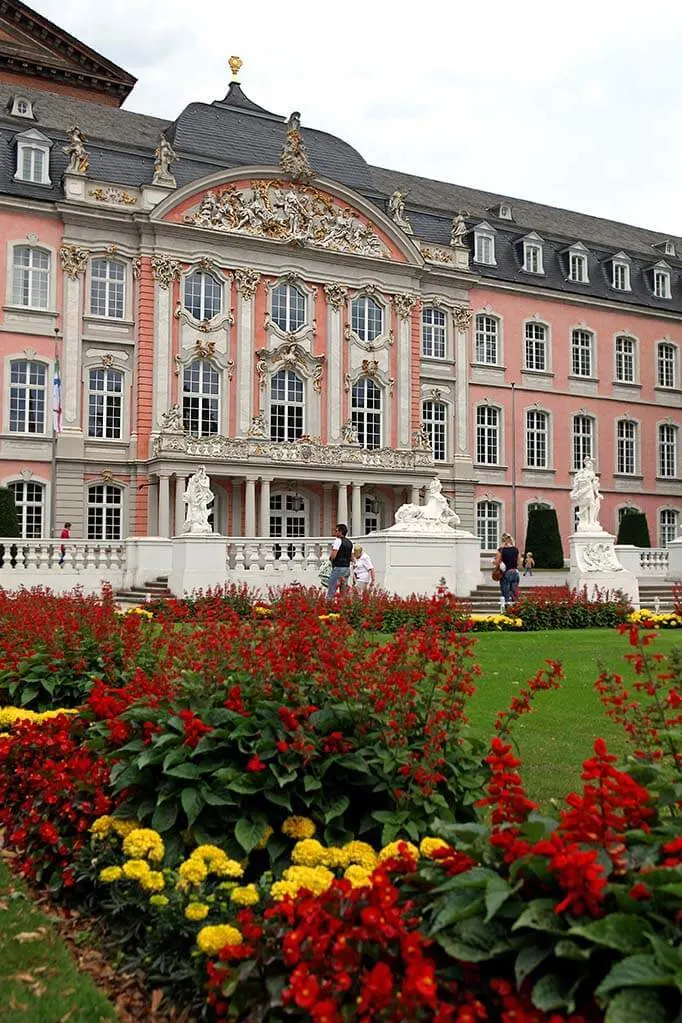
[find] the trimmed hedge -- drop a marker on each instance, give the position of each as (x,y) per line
(543,538)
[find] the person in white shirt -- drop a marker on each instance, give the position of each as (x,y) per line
(363,569)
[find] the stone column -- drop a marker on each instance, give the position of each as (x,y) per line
(356,512)
(247,282)
(415,497)
(265,506)
(403,306)
(342,503)
(74,261)
(337,295)
(463,457)
(327,512)
(180,486)
(250,507)
(166,271)
(164,504)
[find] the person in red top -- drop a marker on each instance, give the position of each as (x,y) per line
(65,534)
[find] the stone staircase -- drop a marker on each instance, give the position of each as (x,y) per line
(486,598)
(659,590)
(157,589)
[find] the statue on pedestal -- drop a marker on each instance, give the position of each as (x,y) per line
(396,209)
(79,161)
(436,516)
(164,157)
(198,497)
(458,230)
(586,494)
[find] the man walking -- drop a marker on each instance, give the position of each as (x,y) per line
(340,556)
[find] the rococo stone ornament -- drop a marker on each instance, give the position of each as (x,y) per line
(247,281)
(404,304)
(336,294)
(282,211)
(462,316)
(74,260)
(165,270)
(294,159)
(290,355)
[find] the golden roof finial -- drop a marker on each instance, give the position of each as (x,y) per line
(235,64)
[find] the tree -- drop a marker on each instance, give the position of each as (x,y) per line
(9,521)
(543,537)
(634,529)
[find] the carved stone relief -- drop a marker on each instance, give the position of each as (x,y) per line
(74,260)
(404,304)
(204,349)
(336,294)
(165,270)
(247,282)
(462,317)
(290,355)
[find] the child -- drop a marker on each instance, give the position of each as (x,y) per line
(528,563)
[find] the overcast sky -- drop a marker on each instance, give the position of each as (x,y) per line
(577,105)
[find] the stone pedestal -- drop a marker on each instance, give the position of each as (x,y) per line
(197,563)
(675,560)
(147,558)
(407,564)
(595,567)
(460,258)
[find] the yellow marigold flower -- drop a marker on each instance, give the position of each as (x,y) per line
(308,853)
(196,911)
(123,828)
(246,895)
(136,870)
(211,939)
(315,879)
(101,827)
(394,849)
(298,827)
(192,871)
(143,842)
(205,853)
(280,890)
(428,846)
(225,867)
(158,900)
(153,881)
(335,857)
(360,853)
(110,874)
(358,876)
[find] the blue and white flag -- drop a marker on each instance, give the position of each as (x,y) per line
(57,397)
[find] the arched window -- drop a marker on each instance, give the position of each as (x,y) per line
(666,365)
(29,500)
(27,396)
(487,435)
(487,340)
(105,403)
(536,346)
(625,359)
(668,525)
(433,333)
(626,441)
(537,439)
(203,295)
(367,318)
(105,512)
(286,406)
(30,277)
(107,288)
(288,308)
(583,440)
(201,399)
(667,451)
(582,342)
(366,412)
(488,524)
(434,420)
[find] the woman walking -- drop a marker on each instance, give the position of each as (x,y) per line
(507,560)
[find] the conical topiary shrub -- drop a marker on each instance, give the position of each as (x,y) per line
(9,521)
(634,529)
(543,538)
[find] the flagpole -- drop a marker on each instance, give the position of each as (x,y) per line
(56,413)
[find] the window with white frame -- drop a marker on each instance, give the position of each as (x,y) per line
(625,360)
(487,340)
(668,525)
(583,440)
(532,257)
(30,277)
(488,524)
(105,403)
(666,365)
(107,288)
(287,405)
(484,248)
(33,158)
(29,498)
(203,295)
(288,304)
(662,283)
(372,516)
(626,452)
(667,451)
(27,396)
(105,512)
(287,516)
(434,420)
(577,267)
(536,346)
(366,318)
(582,342)
(366,412)
(537,439)
(22,107)
(433,333)
(620,279)
(487,435)
(201,399)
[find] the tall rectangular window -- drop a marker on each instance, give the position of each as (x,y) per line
(487,435)
(433,333)
(286,406)
(626,460)
(536,346)
(668,526)
(484,248)
(30,277)
(583,440)
(662,284)
(621,276)
(105,404)
(667,451)
(532,258)
(537,447)
(201,398)
(487,340)
(488,524)
(581,353)
(577,267)
(107,288)
(625,360)
(366,412)
(28,498)
(435,424)
(666,365)
(27,396)
(105,512)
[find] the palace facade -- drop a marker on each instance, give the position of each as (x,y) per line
(237,290)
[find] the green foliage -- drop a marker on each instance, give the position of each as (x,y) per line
(558,607)
(9,521)
(543,538)
(634,529)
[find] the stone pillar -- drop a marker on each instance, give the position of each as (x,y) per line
(356,512)
(163,320)
(415,497)
(74,261)
(342,504)
(250,507)
(164,504)
(404,387)
(337,296)
(247,283)
(463,457)
(180,486)
(264,506)
(327,526)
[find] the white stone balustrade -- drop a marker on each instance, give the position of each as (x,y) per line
(87,564)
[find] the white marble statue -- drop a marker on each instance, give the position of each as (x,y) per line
(79,161)
(164,156)
(586,494)
(198,497)
(171,420)
(396,209)
(458,230)
(436,516)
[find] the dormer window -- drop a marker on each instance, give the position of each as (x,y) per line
(620,272)
(661,281)
(22,107)
(33,157)
(502,211)
(532,254)
(577,264)
(484,245)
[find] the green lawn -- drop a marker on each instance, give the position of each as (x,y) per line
(558,735)
(39,982)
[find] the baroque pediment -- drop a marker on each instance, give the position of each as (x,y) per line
(287,212)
